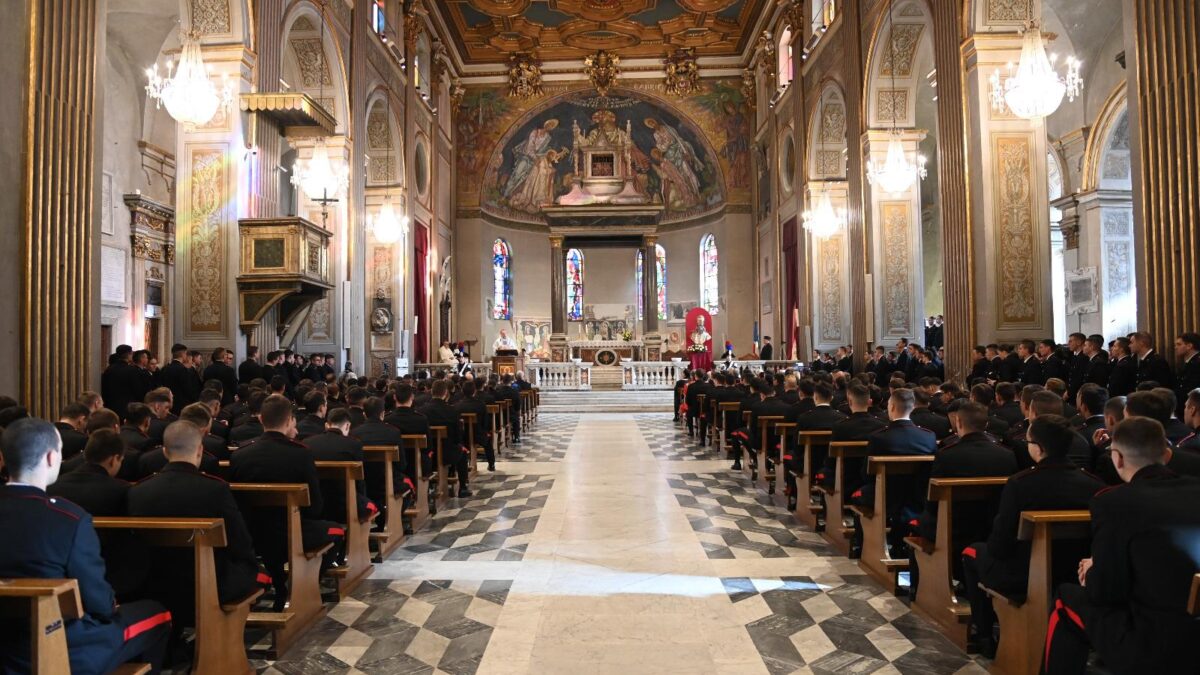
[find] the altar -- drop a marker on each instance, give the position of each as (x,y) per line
(606,352)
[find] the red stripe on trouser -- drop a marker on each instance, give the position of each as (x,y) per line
(136,629)
(856,493)
(263,578)
(969,552)
(372,508)
(336,532)
(409,483)
(1075,618)
(912,523)
(787,458)
(820,476)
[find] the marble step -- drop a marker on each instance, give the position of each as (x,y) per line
(606,401)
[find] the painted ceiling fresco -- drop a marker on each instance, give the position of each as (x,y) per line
(690,154)
(487,31)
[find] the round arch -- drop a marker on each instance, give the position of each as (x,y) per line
(893,78)
(826,144)
(302,53)
(1112,122)
(384,143)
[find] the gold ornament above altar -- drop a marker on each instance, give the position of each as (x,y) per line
(524,76)
(602,69)
(683,75)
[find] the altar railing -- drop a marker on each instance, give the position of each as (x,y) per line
(569,376)
(481,369)
(651,374)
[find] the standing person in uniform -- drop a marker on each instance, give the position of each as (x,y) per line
(58,541)
(1130,604)
(1187,350)
(250,369)
(180,378)
(221,369)
(767,352)
(1151,366)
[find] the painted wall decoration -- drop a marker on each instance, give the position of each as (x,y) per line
(510,150)
(533,335)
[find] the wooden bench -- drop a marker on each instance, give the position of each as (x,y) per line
(358,532)
(414,445)
(305,607)
(469,420)
(506,421)
(807,510)
(1194,597)
(220,629)
(392,534)
(783,430)
(442,486)
(723,411)
(1023,620)
(701,418)
(763,479)
(836,532)
(527,406)
(876,559)
(935,559)
(747,463)
(46,604)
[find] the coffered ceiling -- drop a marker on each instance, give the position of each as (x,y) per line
(487,31)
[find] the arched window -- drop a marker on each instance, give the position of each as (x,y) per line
(785,57)
(709,286)
(574,285)
(660,255)
(501,280)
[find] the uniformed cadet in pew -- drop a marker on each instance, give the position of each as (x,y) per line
(153,460)
(316,408)
(375,430)
(1002,562)
(823,417)
(335,444)
(440,413)
(181,489)
(767,405)
(857,426)
(472,403)
(410,422)
(1130,603)
(93,484)
(57,541)
(276,458)
(250,427)
(71,424)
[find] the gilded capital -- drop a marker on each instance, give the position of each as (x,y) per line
(556,241)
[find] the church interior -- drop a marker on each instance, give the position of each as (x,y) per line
(631,336)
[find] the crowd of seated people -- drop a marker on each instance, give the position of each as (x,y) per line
(174,447)
(1107,427)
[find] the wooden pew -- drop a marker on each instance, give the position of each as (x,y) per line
(506,420)
(783,429)
(443,485)
(702,418)
(418,513)
(392,534)
(527,407)
(220,629)
(358,532)
(935,559)
(876,559)
(747,460)
(304,567)
(835,531)
(723,410)
(808,511)
(473,451)
(763,479)
(1194,597)
(46,605)
(499,433)
(1024,620)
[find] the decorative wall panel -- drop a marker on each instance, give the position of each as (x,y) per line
(206,283)
(896,283)
(832,292)
(211,17)
(1018,280)
(906,37)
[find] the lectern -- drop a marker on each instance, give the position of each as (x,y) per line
(507,362)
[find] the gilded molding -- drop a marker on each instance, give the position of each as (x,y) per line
(1017,283)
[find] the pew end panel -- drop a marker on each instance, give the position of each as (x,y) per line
(807,510)
(357,565)
(392,533)
(45,605)
(876,559)
(836,532)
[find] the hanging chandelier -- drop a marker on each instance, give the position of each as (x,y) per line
(188,93)
(1033,89)
(386,226)
(896,174)
(824,221)
(320,177)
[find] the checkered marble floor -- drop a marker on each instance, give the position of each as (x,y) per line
(851,626)
(404,626)
(546,441)
(670,442)
(495,524)
(733,519)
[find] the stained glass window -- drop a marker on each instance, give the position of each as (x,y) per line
(708,274)
(660,255)
(501,280)
(378,21)
(574,285)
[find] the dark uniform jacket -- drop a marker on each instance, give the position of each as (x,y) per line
(248,370)
(1009,369)
(183,383)
(245,432)
(275,458)
(1009,412)
(53,538)
(474,405)
(158,427)
(442,414)
(1143,561)
(1054,366)
(820,418)
(857,426)
(377,432)
(1122,376)
(900,437)
(1077,376)
(357,415)
(1032,371)
(412,423)
(927,419)
(73,442)
(228,378)
(769,407)
(309,425)
(181,490)
(1049,485)
(1097,370)
(134,439)
(980,370)
(93,490)
(1189,379)
(332,446)
(122,384)
(1154,368)
(974,455)
(153,461)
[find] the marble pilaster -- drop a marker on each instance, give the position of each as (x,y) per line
(830,272)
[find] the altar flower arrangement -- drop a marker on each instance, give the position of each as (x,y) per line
(695,347)
(627,335)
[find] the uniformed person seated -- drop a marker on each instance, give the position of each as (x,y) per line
(93,485)
(53,538)
(182,490)
(1130,604)
(335,444)
(249,427)
(471,403)
(440,413)
(155,460)
(823,417)
(70,425)
(137,424)
(507,391)
(857,426)
(161,402)
(767,405)
(313,422)
(375,431)
(1002,562)
(276,458)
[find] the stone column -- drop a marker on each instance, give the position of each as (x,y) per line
(1106,254)
(830,272)
(896,265)
(1010,209)
(651,338)
(558,299)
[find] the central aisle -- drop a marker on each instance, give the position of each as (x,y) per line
(609,543)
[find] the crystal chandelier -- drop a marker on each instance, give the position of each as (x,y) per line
(1032,88)
(320,178)
(896,174)
(188,93)
(824,221)
(387,227)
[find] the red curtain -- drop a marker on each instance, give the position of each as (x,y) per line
(791,292)
(421,295)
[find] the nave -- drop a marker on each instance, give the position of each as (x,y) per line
(612,543)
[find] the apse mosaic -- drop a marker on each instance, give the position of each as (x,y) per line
(690,154)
